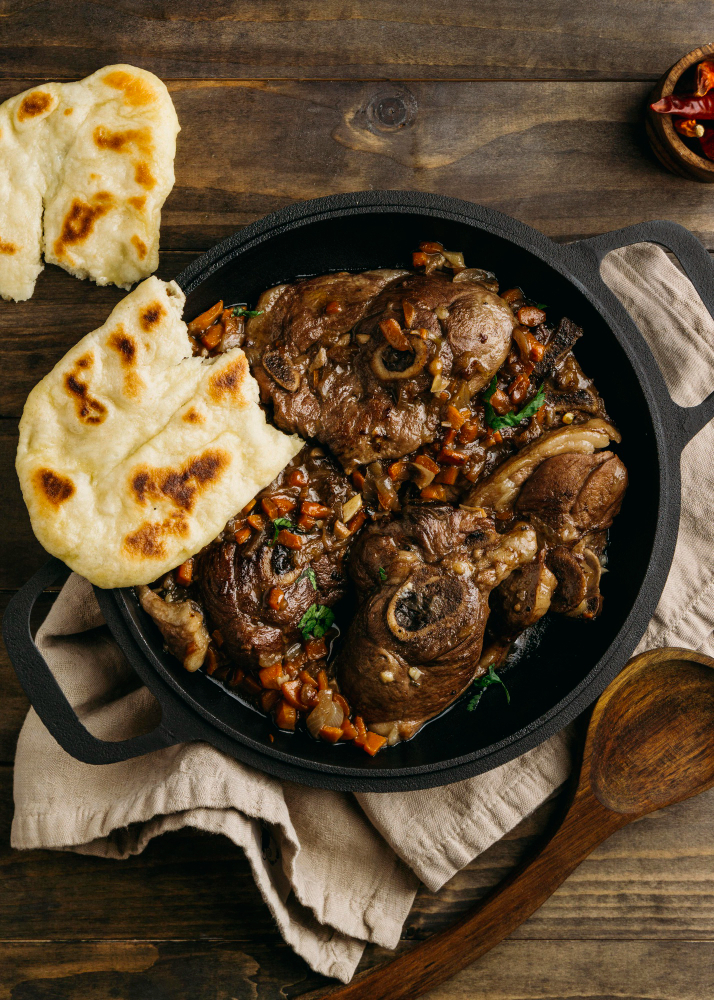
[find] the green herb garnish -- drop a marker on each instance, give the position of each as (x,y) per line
(482,683)
(382,574)
(316,621)
(243,311)
(278,523)
(511,419)
(541,305)
(309,572)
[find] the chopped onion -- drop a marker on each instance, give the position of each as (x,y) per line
(455,259)
(325,713)
(439,383)
(350,508)
(293,651)
(319,360)
(268,659)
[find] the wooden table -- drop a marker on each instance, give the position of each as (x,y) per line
(532,107)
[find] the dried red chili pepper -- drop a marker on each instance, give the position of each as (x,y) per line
(705,78)
(707,143)
(686,105)
(689,127)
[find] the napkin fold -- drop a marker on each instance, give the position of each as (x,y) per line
(333,886)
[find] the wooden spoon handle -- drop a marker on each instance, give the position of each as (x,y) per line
(586,824)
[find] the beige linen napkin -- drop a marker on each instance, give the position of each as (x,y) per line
(334,886)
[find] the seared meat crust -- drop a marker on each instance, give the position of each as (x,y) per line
(415,642)
(235,581)
(320,356)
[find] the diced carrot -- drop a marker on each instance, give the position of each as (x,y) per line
(315,649)
(284,504)
(285,716)
(331,733)
(426,463)
(448,476)
(291,692)
(431,246)
(322,680)
(537,350)
(455,418)
(211,661)
(397,471)
(242,536)
(268,699)
(497,437)
(374,743)
(212,337)
(361,736)
(348,730)
(500,402)
(249,506)
(449,456)
(276,598)
(313,509)
(297,478)
(342,702)
(332,308)
(269,507)
(419,260)
(256,521)
(394,335)
(305,522)
(356,522)
(504,515)
(358,480)
(289,539)
(184,574)
(307,678)
(201,323)
(518,389)
(433,492)
(512,295)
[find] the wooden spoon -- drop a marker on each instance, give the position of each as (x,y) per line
(650,743)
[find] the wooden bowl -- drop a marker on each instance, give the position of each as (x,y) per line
(668,145)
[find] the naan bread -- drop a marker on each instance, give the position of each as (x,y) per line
(133,454)
(98,155)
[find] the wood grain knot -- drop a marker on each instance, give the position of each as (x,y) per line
(391,110)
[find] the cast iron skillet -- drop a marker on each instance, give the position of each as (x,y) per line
(572,661)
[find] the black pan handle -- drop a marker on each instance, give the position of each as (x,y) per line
(698,267)
(46,695)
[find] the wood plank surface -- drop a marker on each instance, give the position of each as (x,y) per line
(570,159)
(348,39)
(531,108)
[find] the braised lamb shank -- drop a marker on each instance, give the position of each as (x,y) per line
(351,359)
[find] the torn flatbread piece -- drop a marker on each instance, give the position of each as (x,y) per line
(97,158)
(133,453)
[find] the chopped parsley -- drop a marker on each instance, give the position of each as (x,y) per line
(486,681)
(316,621)
(511,419)
(278,523)
(243,311)
(309,572)
(541,305)
(382,574)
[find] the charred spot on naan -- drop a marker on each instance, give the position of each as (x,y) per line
(39,102)
(79,221)
(125,346)
(89,410)
(140,247)
(120,140)
(7,247)
(136,91)
(52,488)
(192,416)
(151,315)
(148,541)
(143,175)
(137,201)
(228,382)
(180,486)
